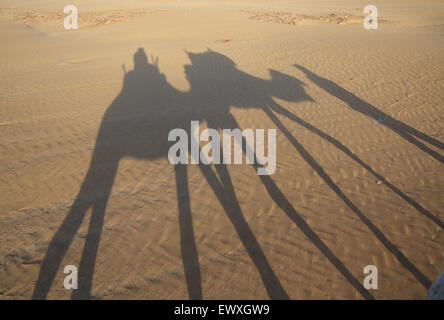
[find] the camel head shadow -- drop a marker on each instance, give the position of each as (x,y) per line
(218,85)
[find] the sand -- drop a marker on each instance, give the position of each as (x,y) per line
(85,178)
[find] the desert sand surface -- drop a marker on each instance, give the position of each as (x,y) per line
(85,178)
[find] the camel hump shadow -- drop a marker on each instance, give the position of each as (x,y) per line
(138,121)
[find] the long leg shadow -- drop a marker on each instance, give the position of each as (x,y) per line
(320,171)
(283,203)
(62,239)
(227,198)
(102,178)
(410,134)
(190,259)
(279,109)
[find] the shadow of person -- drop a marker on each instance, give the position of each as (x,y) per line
(405,131)
(136,124)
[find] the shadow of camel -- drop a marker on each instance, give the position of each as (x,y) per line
(137,124)
(290,89)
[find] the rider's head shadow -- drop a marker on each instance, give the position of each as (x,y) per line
(140,60)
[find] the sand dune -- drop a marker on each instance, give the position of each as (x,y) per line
(86,181)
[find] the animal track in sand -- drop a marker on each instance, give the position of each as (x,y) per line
(86,19)
(305,19)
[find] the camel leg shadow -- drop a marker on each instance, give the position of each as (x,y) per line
(282,202)
(100,177)
(227,198)
(354,102)
(320,171)
(279,109)
(190,259)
